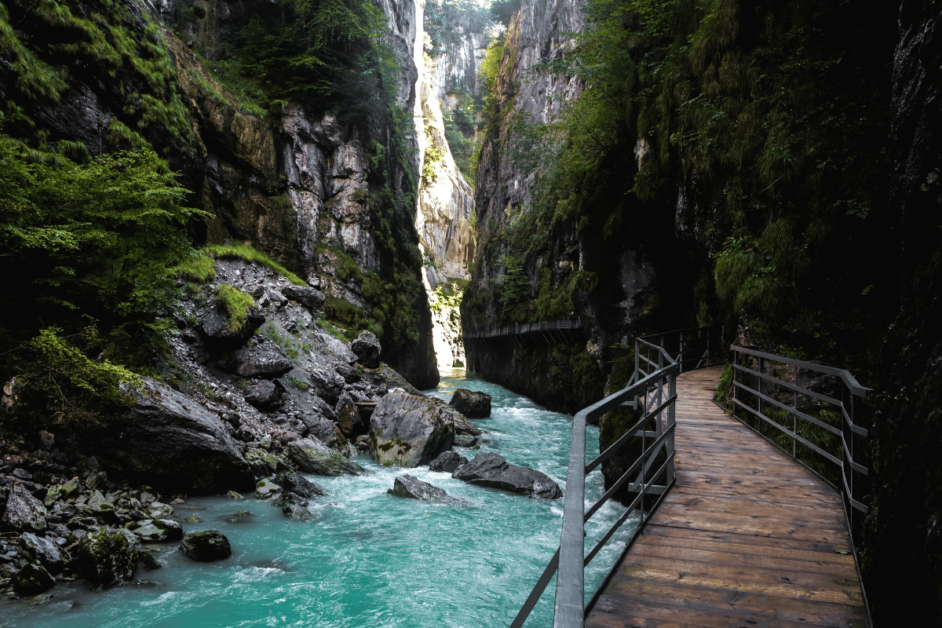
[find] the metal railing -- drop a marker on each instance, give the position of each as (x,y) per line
(658,389)
(851,474)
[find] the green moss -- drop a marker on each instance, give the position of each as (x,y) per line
(249,254)
(237,305)
(198,267)
(297,383)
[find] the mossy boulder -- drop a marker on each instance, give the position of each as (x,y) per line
(408,430)
(413,488)
(206,546)
(33,579)
(106,559)
(313,456)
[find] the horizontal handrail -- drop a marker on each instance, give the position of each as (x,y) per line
(526,328)
(844,374)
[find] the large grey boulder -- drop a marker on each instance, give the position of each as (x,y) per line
(214,321)
(23,513)
(308,297)
(169,440)
(414,488)
(263,359)
(462,425)
(327,384)
(447,462)
(313,456)
(206,546)
(265,395)
(473,405)
(324,430)
(490,469)
(408,431)
(337,348)
(293,482)
(367,349)
(347,372)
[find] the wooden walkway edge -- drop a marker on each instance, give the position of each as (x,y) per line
(746,538)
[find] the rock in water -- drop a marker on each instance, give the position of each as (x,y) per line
(214,322)
(106,559)
(414,488)
(265,395)
(33,579)
(170,440)
(24,513)
(308,297)
(293,482)
(447,462)
(490,469)
(474,405)
(264,360)
(367,349)
(313,456)
(408,431)
(206,546)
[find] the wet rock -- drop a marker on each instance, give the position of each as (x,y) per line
(42,550)
(264,463)
(22,474)
(363,443)
(106,559)
(348,417)
(463,440)
(324,430)
(294,507)
(447,462)
(367,349)
(266,489)
(47,439)
(313,456)
(23,513)
(294,482)
(337,348)
(473,405)
(214,322)
(33,579)
(159,510)
(156,530)
(414,488)
(206,546)
(408,431)
(265,395)
(168,439)
(264,360)
(491,470)
(308,297)
(61,491)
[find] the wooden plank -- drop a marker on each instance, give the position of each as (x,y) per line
(746,537)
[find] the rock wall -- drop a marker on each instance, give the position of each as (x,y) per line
(297,187)
(902,559)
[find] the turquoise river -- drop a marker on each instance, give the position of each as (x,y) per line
(367,559)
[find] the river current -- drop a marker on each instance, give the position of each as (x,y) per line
(367,559)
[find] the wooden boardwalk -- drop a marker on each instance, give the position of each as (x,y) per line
(746,538)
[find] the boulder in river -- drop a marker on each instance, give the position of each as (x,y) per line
(408,431)
(308,297)
(33,579)
(293,482)
(474,405)
(263,359)
(447,462)
(170,440)
(324,430)
(106,559)
(367,349)
(414,488)
(313,456)
(24,513)
(206,546)
(490,469)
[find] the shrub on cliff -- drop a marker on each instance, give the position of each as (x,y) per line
(85,247)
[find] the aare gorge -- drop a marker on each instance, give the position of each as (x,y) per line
(470,313)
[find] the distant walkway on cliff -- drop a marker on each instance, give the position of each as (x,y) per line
(746,536)
(550,331)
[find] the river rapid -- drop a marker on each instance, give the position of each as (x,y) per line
(367,559)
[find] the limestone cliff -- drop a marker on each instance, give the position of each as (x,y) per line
(331,200)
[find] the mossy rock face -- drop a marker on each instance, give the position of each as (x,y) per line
(313,456)
(106,559)
(206,546)
(33,579)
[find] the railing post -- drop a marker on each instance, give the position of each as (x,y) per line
(637,362)
(735,381)
(761,372)
(671,421)
(680,354)
(795,419)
